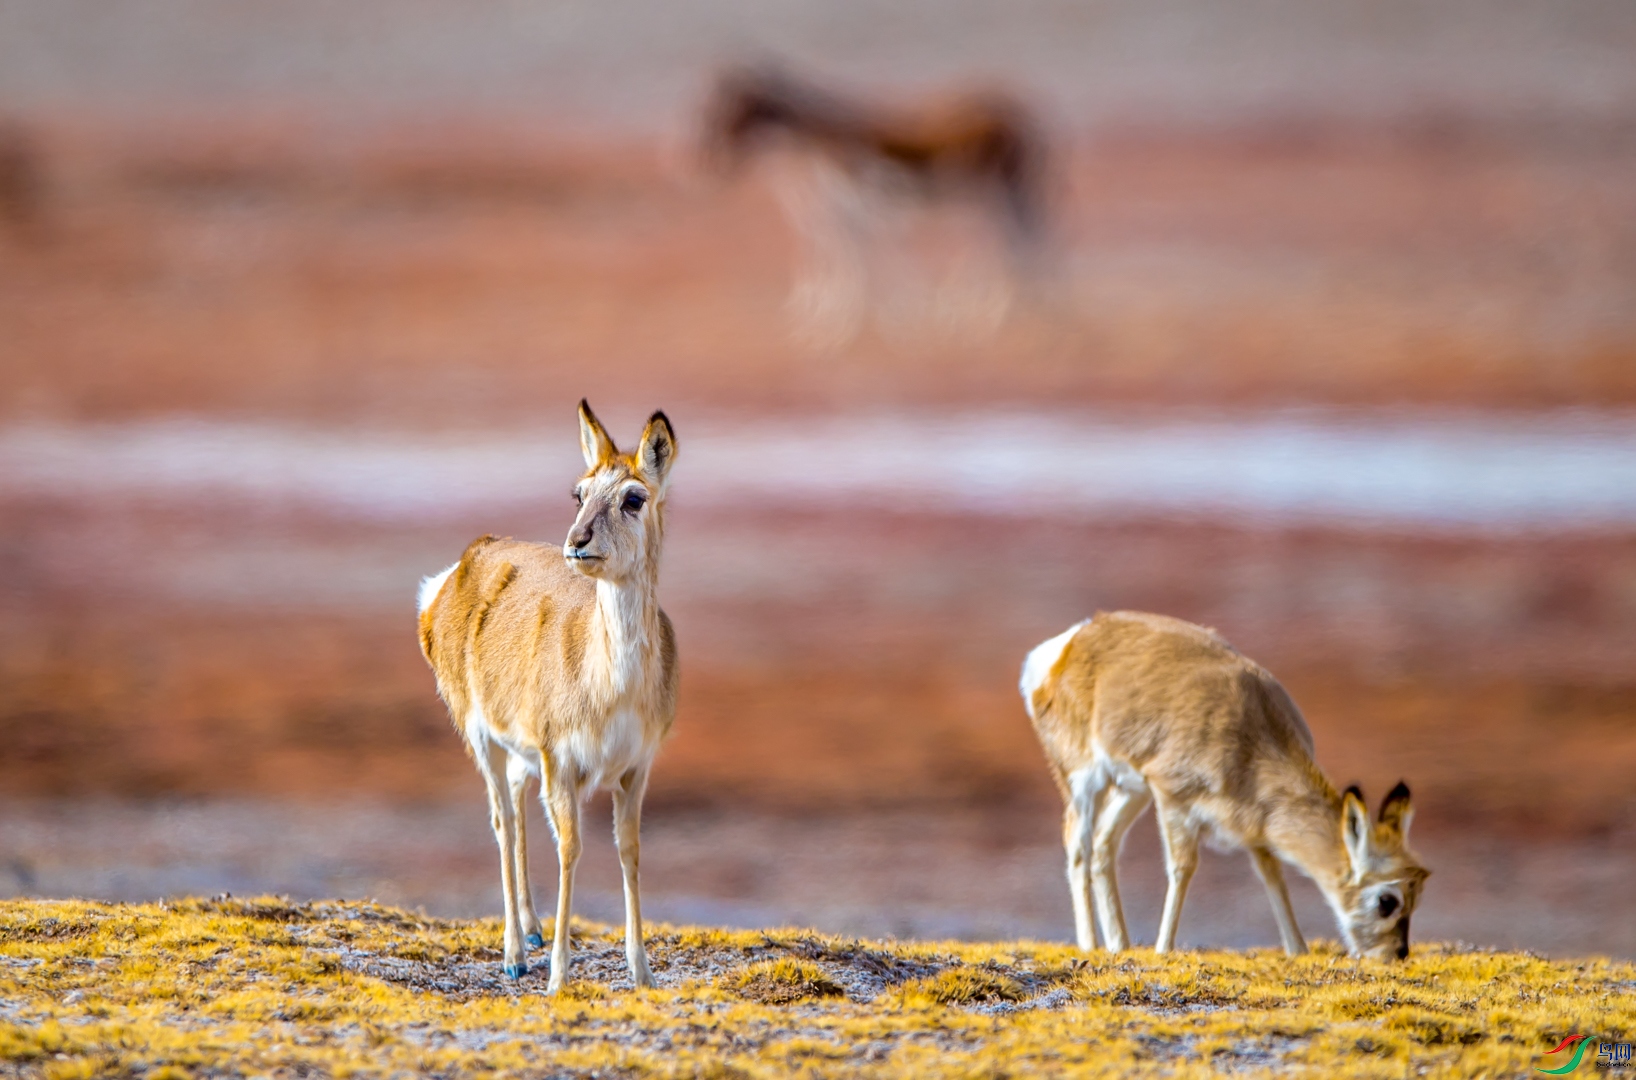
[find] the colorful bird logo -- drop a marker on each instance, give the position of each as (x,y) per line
(1573,1063)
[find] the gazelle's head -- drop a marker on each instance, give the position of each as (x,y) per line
(1375,901)
(750,103)
(621,500)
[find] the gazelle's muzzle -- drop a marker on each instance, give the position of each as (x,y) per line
(587,538)
(1391,946)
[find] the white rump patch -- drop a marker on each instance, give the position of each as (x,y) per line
(1037,667)
(431,586)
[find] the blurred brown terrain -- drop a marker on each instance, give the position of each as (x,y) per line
(846,665)
(454,278)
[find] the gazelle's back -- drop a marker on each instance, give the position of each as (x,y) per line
(1171,700)
(492,623)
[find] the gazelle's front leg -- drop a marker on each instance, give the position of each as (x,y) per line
(562,803)
(492,764)
(1272,876)
(627,808)
(1181,842)
(517,778)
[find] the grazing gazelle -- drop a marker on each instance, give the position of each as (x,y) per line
(860,158)
(557,663)
(1133,708)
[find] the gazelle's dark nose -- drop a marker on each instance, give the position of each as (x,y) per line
(580,538)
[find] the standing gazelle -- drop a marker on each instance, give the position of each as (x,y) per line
(557,663)
(1133,708)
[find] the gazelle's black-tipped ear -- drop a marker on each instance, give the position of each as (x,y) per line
(594,441)
(1396,811)
(657,451)
(1355,830)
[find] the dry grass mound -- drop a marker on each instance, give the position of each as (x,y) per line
(965,986)
(781,982)
(270,988)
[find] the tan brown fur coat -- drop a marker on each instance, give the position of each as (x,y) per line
(1133,708)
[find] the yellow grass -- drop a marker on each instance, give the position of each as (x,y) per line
(353,989)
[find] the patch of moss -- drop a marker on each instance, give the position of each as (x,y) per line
(782,982)
(269,987)
(964,986)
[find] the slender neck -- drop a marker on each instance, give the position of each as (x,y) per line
(625,623)
(1307,831)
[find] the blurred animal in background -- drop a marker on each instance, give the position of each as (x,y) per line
(854,170)
(1134,708)
(558,664)
(22,180)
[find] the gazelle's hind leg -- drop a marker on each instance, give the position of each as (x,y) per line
(627,808)
(1119,808)
(560,792)
(1078,819)
(1181,841)
(517,778)
(1272,876)
(491,762)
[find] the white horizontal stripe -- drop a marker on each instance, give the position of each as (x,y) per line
(1566,469)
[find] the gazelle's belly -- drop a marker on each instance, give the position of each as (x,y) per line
(601,755)
(480,732)
(598,756)
(1106,771)
(1103,771)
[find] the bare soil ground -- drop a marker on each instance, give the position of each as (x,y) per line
(1488,671)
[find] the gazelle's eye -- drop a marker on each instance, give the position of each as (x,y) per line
(633,502)
(1388,904)
(579,500)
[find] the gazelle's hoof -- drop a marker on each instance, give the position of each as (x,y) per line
(516,971)
(534,941)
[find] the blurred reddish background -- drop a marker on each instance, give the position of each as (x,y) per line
(441,226)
